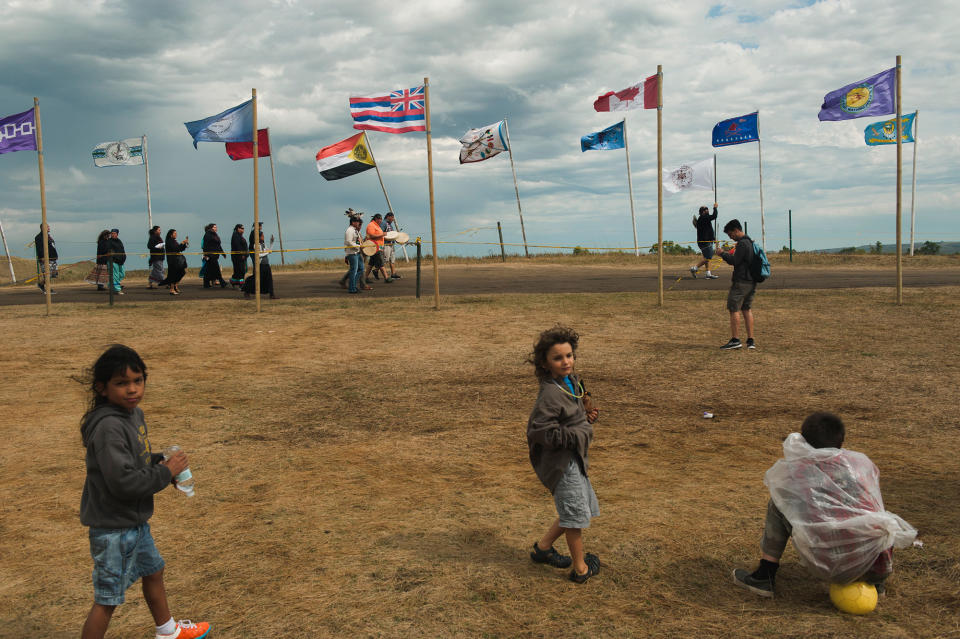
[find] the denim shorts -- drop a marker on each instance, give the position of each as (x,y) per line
(574,498)
(121,557)
(706,248)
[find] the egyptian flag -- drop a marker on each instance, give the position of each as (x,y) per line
(244,150)
(345,158)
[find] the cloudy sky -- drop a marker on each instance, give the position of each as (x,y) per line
(110,69)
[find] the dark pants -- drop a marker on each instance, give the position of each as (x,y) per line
(266,281)
(239,268)
(212,273)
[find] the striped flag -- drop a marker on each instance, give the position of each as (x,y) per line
(345,158)
(127,152)
(399,111)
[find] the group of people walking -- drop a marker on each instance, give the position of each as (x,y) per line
(111,259)
(379,236)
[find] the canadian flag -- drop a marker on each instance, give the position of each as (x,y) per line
(628,98)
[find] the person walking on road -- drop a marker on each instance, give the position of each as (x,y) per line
(705,239)
(155,261)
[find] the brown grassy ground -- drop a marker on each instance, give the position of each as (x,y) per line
(362,466)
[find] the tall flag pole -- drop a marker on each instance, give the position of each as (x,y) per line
(516,189)
(763,226)
(659,185)
(715,194)
(276,200)
(913,190)
(433,219)
(633,218)
(146,169)
(43,204)
(899,189)
(256,202)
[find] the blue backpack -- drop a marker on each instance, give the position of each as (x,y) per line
(759,264)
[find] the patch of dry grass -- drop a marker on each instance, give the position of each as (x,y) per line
(362,464)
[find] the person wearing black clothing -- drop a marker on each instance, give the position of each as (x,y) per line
(155,261)
(705,239)
(52,249)
(99,275)
(238,255)
(742,286)
(266,274)
(176,263)
(116,250)
(212,250)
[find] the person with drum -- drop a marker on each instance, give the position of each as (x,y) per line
(375,234)
(390,233)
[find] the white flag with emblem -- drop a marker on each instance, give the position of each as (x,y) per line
(127,152)
(695,175)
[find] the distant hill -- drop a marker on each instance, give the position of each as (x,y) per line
(946,248)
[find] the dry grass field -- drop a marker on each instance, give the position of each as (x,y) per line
(362,466)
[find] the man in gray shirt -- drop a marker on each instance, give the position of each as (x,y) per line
(742,287)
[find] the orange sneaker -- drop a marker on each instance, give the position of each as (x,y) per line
(186,629)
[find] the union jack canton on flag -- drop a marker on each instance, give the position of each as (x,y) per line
(399,111)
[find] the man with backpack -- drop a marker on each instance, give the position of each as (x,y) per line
(743,285)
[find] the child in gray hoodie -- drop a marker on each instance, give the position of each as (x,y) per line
(123,473)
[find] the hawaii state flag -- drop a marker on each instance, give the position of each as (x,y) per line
(345,158)
(629,98)
(399,111)
(244,150)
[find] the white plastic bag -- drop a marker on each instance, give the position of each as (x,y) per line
(831,497)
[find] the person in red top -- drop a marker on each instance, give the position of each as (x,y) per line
(375,264)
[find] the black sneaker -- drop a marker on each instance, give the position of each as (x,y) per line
(751,344)
(732,344)
(376,275)
(762,587)
(551,557)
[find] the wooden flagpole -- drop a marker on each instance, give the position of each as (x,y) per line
(13,276)
(913,190)
(43,204)
(516,189)
(660,185)
(384,189)
(146,169)
(633,218)
(256,204)
(899,178)
(763,225)
(433,219)
(276,201)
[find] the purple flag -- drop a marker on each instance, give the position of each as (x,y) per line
(18,133)
(873,96)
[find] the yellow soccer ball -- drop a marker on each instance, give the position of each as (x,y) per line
(858,598)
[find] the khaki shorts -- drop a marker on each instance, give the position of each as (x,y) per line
(740,297)
(388,253)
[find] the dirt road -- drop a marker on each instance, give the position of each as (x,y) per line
(484,279)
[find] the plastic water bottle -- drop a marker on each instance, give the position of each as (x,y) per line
(184,480)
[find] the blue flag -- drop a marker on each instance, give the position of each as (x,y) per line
(607,140)
(873,96)
(233,125)
(886,132)
(736,130)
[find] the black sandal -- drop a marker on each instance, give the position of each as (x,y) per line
(593,568)
(551,557)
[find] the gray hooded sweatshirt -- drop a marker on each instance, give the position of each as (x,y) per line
(122,472)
